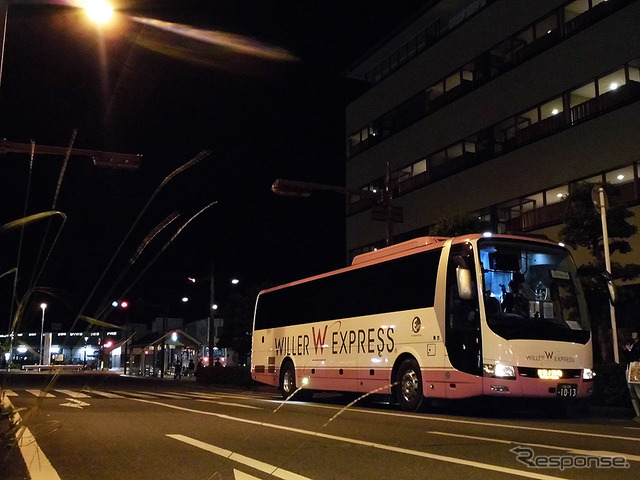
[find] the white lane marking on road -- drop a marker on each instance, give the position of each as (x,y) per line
(198,395)
(40,393)
(470,422)
(236,457)
(37,463)
(238,475)
(8,393)
(229,404)
(380,446)
(175,396)
(105,394)
(70,393)
(134,394)
(591,453)
(73,403)
(230,395)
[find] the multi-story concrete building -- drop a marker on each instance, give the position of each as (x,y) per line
(496,108)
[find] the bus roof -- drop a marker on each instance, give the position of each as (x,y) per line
(398,250)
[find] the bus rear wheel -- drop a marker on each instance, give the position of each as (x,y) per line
(288,384)
(287,380)
(408,389)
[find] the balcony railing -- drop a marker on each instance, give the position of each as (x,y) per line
(552,214)
(486,67)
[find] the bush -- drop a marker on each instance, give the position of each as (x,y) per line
(239,376)
(610,386)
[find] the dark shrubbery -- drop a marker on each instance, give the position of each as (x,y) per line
(610,386)
(240,376)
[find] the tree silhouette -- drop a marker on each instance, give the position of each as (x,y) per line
(583,228)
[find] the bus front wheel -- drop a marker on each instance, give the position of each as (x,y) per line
(408,388)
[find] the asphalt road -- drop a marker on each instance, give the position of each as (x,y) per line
(109,427)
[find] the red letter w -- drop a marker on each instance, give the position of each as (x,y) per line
(317,340)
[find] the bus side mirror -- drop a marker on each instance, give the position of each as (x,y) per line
(465,290)
(613,293)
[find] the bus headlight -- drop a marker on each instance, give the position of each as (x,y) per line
(588,374)
(500,370)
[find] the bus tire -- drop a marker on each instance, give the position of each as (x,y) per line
(408,390)
(287,379)
(288,383)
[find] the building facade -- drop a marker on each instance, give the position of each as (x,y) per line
(496,108)
(63,348)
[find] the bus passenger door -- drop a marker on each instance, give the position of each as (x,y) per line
(463,340)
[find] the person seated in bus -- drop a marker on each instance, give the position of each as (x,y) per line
(516,300)
(491,304)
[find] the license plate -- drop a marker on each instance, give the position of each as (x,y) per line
(567,390)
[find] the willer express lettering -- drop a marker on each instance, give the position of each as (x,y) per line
(345,342)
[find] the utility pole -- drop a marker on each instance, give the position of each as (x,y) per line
(600,201)
(212,313)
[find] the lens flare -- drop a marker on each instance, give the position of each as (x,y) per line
(100,11)
(235,43)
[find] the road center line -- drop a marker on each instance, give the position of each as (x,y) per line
(228,403)
(236,457)
(38,464)
(380,446)
(175,396)
(471,422)
(133,394)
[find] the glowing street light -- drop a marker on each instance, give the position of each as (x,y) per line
(43,306)
(235,281)
(100,11)
(97,11)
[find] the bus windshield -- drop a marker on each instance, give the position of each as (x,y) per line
(532,291)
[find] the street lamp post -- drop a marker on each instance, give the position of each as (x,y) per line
(43,306)
(212,313)
(98,11)
(213,307)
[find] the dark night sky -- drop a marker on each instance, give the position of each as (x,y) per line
(137,89)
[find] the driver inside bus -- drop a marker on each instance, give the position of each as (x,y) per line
(517,299)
